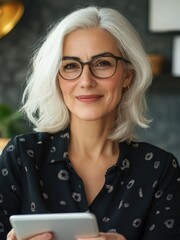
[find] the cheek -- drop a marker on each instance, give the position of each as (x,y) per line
(65,87)
(114,86)
(62,86)
(114,89)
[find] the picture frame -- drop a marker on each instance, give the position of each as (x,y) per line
(164,15)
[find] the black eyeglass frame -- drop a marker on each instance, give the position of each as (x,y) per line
(89,63)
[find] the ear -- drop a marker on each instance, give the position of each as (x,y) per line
(128,78)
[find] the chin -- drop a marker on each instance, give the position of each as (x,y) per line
(92,118)
(89,117)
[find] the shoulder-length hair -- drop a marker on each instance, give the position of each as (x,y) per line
(42,99)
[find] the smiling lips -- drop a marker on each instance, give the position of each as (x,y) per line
(89,98)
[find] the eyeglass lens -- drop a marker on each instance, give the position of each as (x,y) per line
(101,67)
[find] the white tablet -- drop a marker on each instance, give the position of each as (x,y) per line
(64,226)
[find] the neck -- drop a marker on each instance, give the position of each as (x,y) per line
(90,139)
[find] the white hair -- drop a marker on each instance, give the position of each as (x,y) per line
(42,99)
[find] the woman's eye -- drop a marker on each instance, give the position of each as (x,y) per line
(102,63)
(71,66)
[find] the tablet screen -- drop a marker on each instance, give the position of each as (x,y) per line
(65,226)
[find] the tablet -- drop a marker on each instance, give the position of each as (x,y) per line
(64,226)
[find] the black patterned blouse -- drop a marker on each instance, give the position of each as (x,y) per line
(140,198)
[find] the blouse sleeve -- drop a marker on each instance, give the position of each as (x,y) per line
(163,218)
(10,186)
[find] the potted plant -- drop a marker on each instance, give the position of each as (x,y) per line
(11,124)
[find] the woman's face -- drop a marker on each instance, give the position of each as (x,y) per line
(90,98)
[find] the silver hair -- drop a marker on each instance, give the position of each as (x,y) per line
(42,99)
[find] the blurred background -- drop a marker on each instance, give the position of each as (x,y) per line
(16,48)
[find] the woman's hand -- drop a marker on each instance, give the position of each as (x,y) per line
(44,236)
(48,236)
(106,236)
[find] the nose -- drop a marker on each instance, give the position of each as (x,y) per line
(87,79)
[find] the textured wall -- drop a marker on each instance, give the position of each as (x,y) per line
(16,49)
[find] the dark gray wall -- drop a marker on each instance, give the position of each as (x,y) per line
(16,49)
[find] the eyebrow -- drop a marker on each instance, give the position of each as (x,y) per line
(104,54)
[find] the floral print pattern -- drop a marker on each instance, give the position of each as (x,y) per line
(140,198)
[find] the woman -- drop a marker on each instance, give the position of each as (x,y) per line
(85,96)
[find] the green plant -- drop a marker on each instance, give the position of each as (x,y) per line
(11,122)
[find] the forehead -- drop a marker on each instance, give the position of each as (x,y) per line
(88,42)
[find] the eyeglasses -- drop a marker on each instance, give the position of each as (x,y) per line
(101,66)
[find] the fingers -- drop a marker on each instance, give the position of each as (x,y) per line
(45,236)
(11,235)
(106,236)
(112,236)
